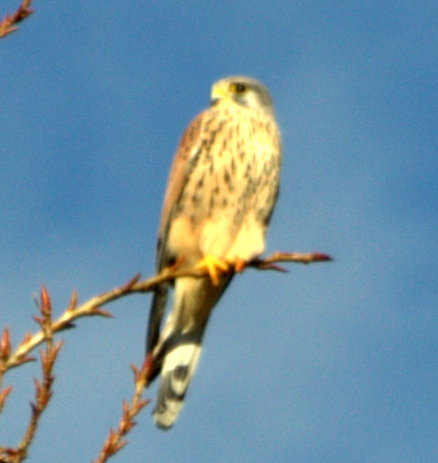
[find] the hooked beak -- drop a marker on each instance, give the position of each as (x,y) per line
(218,92)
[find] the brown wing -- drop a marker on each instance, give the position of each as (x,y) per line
(188,147)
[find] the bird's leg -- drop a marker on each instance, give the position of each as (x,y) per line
(213,266)
(173,267)
(238,264)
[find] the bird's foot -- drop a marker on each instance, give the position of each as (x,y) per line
(238,264)
(213,266)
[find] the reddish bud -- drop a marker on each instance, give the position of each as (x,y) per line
(25,360)
(135,371)
(39,320)
(103,313)
(142,404)
(131,283)
(73,301)
(5,345)
(27,338)
(4,394)
(46,305)
(321,257)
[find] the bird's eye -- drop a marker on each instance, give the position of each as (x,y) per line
(239,87)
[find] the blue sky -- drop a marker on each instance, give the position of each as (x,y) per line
(329,363)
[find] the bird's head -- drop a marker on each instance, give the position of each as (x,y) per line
(243,91)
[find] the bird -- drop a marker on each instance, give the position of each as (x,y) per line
(221,191)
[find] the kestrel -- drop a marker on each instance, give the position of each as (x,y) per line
(221,191)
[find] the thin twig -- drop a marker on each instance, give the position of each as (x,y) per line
(114,441)
(8,23)
(43,389)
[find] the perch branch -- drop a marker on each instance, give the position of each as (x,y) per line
(10,358)
(92,307)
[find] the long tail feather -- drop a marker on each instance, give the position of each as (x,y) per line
(176,373)
(177,351)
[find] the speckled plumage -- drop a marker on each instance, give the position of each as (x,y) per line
(222,188)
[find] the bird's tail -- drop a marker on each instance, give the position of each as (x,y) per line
(178,366)
(177,351)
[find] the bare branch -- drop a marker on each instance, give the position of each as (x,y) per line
(114,441)
(43,389)
(93,306)
(43,393)
(8,23)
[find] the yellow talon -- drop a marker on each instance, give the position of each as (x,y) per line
(214,266)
